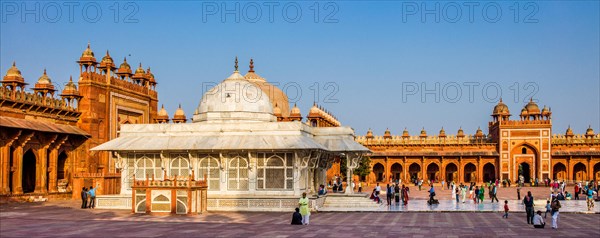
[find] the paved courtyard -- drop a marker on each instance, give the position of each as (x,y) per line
(63,218)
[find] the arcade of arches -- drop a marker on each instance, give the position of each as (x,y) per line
(522,148)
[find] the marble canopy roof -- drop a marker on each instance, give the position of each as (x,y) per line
(213,136)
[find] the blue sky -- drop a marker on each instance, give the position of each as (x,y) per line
(371,60)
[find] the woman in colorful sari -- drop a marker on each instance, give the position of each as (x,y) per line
(405,195)
(481,194)
(304,210)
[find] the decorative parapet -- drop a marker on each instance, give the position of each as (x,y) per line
(120,83)
(417,140)
(29,100)
(170,182)
(576,139)
(521,122)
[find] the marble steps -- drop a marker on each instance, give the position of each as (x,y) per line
(354,202)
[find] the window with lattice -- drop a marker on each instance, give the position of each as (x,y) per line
(147,166)
(209,166)
(275,171)
(180,166)
(237,173)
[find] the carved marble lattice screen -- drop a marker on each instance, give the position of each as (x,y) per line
(209,166)
(180,165)
(275,171)
(148,165)
(237,173)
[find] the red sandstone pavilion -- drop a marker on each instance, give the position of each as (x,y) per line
(45,139)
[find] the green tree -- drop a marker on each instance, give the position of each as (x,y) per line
(364,167)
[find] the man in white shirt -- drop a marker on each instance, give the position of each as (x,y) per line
(538,220)
(377,189)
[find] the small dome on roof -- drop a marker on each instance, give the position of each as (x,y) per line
(423,133)
(125,65)
(163,111)
(70,88)
(295,110)
(14,75)
(460,132)
(276,110)
(44,79)
(140,70)
(442,132)
(532,108)
(405,133)
(569,131)
(589,131)
(369,133)
(500,108)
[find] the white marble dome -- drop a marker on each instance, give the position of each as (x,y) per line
(235,99)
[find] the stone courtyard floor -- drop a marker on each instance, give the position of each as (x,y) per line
(65,219)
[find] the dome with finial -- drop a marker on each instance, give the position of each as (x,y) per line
(150,75)
(44,83)
(589,131)
(179,115)
(569,132)
(460,132)
(479,132)
(140,70)
(13,75)
(314,109)
(405,133)
(70,88)
(124,68)
(370,134)
(107,62)
(217,107)
(295,110)
(162,116)
(442,132)
(387,134)
(276,110)
(87,55)
(532,108)
(275,94)
(423,133)
(500,108)
(545,110)
(44,79)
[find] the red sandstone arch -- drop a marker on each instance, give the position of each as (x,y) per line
(489,172)
(559,171)
(530,162)
(597,171)
(433,172)
(28,176)
(579,172)
(451,172)
(396,171)
(470,173)
(414,171)
(378,170)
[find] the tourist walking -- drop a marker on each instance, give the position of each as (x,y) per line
(420,184)
(463,192)
(518,192)
(505,209)
(555,207)
(538,220)
(304,210)
(84,197)
(576,191)
(548,209)
(494,193)
(456,194)
(481,194)
(476,195)
(405,193)
(360,186)
(388,193)
(397,193)
(528,201)
(590,197)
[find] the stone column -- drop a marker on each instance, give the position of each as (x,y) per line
(5,168)
(352,161)
(17,170)
(52,171)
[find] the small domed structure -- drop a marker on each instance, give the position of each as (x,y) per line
(162,116)
(442,133)
(179,116)
(387,134)
(277,111)
(500,108)
(589,132)
(44,85)
(70,89)
(423,133)
(295,114)
(107,63)
(87,56)
(460,133)
(479,133)
(14,79)
(569,132)
(370,134)
(124,70)
(405,133)
(140,75)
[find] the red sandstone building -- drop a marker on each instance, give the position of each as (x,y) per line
(512,148)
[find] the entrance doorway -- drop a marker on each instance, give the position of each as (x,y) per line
(525,171)
(28,176)
(396,171)
(414,171)
(378,170)
(560,171)
(489,173)
(470,171)
(451,171)
(433,171)
(579,172)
